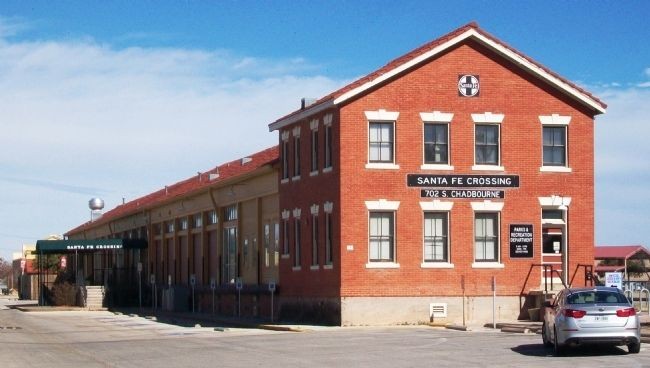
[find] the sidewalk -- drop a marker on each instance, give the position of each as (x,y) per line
(190,319)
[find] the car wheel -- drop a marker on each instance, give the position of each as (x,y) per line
(547,342)
(634,348)
(557,348)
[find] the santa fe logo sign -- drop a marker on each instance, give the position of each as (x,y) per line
(468,85)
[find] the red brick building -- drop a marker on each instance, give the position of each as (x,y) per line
(415,187)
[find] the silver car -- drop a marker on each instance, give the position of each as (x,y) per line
(595,315)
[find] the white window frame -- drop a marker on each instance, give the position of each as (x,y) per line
(556,120)
(297,233)
(328,209)
(329,154)
(313,162)
(436,117)
(487,207)
(314,237)
(296,154)
(488,118)
(437,206)
(382,205)
(382,116)
(285,157)
(285,231)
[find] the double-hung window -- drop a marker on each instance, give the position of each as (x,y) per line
(382,241)
(328,207)
(487,141)
(285,233)
(314,237)
(435,237)
(285,156)
(555,143)
(487,242)
(487,144)
(297,238)
(314,147)
(436,144)
(381,139)
(436,140)
(486,237)
(296,153)
(327,123)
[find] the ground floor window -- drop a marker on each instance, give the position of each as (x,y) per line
(486,237)
(382,245)
(435,237)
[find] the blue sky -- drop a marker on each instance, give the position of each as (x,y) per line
(106,98)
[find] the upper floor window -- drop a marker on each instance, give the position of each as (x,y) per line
(296,152)
(169,227)
(197,220)
(327,122)
(554,142)
(381,142)
(436,143)
(436,140)
(285,160)
(182,223)
(212,217)
(230,213)
(487,144)
(314,146)
(381,139)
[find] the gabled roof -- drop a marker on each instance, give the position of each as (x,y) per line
(620,251)
(211,178)
(426,52)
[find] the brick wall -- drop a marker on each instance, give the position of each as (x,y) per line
(505,89)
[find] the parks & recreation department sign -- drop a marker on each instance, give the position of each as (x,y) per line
(521,241)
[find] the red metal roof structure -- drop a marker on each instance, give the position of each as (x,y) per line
(620,252)
(217,176)
(431,49)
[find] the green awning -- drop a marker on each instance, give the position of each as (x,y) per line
(87,245)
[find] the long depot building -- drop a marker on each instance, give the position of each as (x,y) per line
(457,176)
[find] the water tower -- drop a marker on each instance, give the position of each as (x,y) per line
(96,206)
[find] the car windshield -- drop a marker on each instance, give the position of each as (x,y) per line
(598,297)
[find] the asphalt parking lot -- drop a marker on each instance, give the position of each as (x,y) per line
(107,339)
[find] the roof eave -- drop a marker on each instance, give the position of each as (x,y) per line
(302,114)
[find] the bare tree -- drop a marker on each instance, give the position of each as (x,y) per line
(5,269)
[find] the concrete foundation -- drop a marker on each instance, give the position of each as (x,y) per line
(416,310)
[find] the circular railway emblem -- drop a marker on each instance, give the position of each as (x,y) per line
(468,85)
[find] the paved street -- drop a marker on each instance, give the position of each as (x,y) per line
(104,339)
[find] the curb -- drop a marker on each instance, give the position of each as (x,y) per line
(458,328)
(279,328)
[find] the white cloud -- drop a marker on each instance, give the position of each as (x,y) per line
(623,167)
(79,115)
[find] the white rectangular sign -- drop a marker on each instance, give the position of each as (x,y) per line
(614,279)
